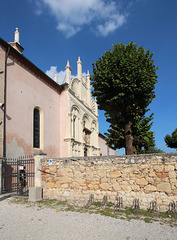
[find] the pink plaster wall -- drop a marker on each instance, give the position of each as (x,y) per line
(24,92)
(104,149)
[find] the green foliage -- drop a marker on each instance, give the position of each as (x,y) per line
(171,141)
(97,204)
(154,150)
(143,137)
(124,80)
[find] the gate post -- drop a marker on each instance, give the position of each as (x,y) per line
(35,193)
(37,159)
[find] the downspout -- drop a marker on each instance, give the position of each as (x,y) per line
(5,86)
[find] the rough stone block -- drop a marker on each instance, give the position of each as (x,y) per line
(50,185)
(158,167)
(53,169)
(75,185)
(102,173)
(126,187)
(141,181)
(128,170)
(93,186)
(35,194)
(105,186)
(115,174)
(150,188)
(116,186)
(152,174)
(169,168)
(172,174)
(57,184)
(89,174)
(146,166)
(164,187)
(174,191)
(135,188)
(64,179)
(133,176)
(162,174)
(65,185)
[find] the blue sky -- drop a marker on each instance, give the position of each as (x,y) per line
(54,31)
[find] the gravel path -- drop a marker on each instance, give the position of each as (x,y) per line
(18,221)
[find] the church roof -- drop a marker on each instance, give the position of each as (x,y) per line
(20,57)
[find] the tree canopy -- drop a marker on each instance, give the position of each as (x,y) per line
(171,141)
(124,80)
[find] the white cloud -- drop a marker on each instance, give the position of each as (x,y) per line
(111,25)
(51,72)
(62,77)
(71,15)
(61,74)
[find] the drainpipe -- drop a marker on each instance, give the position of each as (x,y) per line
(5,86)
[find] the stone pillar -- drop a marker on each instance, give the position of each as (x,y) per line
(68,73)
(56,77)
(37,159)
(96,107)
(79,69)
(17,37)
(79,76)
(88,88)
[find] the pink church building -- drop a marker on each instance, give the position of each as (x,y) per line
(36,113)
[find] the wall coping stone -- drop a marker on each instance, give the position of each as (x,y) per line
(126,159)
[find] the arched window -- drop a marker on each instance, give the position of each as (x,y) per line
(75,122)
(36,128)
(74,126)
(85,152)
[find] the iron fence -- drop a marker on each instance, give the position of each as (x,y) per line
(18,175)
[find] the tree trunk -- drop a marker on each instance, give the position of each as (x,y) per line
(129,148)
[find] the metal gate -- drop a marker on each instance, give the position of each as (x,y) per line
(18,175)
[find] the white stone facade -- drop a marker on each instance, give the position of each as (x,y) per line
(82,120)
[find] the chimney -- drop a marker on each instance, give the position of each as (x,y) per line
(16,43)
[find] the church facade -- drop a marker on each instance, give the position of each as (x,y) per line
(36,113)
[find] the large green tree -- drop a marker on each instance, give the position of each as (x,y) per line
(124,80)
(171,141)
(143,138)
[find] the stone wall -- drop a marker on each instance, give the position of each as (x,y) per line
(147,177)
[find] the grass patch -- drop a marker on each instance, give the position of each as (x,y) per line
(147,220)
(96,208)
(167,215)
(19,200)
(97,204)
